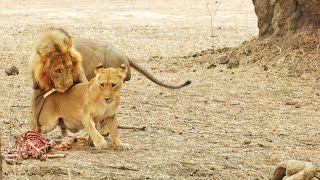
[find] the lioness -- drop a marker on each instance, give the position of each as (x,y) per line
(86,104)
(59,61)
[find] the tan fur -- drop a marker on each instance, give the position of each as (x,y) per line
(85,105)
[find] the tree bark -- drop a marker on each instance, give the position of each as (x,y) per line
(280,18)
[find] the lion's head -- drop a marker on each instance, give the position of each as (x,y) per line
(55,62)
(108,82)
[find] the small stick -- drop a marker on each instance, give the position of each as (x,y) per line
(143,128)
(14,156)
(10,156)
(22,106)
(121,167)
(211,18)
(69,173)
(12,162)
(0,157)
(55,155)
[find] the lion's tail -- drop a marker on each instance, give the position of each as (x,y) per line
(143,71)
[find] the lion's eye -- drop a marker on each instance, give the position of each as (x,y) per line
(113,85)
(58,71)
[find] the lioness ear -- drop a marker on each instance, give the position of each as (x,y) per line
(98,69)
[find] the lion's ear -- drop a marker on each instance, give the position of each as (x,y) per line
(122,70)
(39,53)
(57,47)
(98,69)
(68,41)
(43,54)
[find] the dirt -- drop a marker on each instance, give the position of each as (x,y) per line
(239,118)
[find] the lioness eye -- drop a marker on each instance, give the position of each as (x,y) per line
(102,85)
(113,85)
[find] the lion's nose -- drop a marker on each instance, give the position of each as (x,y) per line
(69,83)
(61,88)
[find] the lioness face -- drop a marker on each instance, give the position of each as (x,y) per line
(60,72)
(110,81)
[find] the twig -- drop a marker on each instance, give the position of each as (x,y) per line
(10,156)
(17,156)
(0,157)
(10,123)
(211,19)
(278,48)
(13,162)
(69,173)
(55,155)
(114,166)
(122,167)
(143,128)
(17,106)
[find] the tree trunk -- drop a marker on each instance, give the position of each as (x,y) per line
(278,18)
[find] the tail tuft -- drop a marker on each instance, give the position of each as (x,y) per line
(187,82)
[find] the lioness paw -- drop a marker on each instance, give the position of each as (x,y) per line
(121,146)
(100,145)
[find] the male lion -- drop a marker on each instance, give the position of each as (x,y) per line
(86,104)
(59,61)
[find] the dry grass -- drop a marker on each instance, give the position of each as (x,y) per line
(297,56)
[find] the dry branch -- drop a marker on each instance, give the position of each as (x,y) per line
(212,14)
(143,128)
(55,155)
(114,166)
(0,157)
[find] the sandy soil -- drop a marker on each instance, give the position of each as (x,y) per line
(228,124)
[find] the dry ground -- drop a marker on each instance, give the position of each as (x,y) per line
(228,124)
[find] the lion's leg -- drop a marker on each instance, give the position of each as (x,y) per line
(98,140)
(49,125)
(64,132)
(112,126)
(63,128)
(36,106)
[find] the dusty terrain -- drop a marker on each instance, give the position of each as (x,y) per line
(228,124)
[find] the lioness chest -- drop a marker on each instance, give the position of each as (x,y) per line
(101,110)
